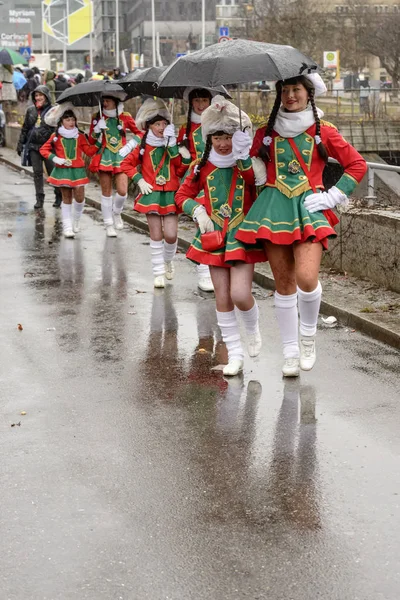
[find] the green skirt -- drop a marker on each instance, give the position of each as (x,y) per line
(68,177)
(161,203)
(283,221)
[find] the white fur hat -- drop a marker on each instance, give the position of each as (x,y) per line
(152,107)
(223,115)
(55,113)
(318,83)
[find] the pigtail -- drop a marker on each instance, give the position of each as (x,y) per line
(185,142)
(204,158)
(322,151)
(264,152)
(143,144)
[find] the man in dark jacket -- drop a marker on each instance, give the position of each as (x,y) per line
(34,134)
(61,84)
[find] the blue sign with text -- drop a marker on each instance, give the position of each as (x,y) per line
(224,32)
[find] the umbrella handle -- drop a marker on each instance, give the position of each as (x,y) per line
(239,107)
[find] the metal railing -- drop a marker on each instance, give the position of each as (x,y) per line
(372,167)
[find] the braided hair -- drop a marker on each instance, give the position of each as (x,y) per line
(204,158)
(143,143)
(197,93)
(264,151)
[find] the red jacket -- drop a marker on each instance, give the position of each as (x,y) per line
(54,147)
(128,124)
(353,163)
(173,162)
(190,189)
(196,144)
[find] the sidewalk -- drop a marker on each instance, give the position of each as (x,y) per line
(358,304)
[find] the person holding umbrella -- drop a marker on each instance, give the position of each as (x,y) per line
(109,128)
(292,215)
(65,148)
(156,167)
(34,133)
(225,176)
(192,145)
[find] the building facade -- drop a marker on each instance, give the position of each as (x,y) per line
(178,27)
(104,21)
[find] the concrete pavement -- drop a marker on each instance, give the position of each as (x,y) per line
(139,473)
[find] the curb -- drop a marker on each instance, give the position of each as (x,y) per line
(346,318)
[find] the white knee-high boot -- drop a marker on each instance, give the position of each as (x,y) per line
(204,281)
(66,215)
(251,323)
(157,262)
(78,210)
(288,321)
(106,211)
(229,327)
(117,209)
(309,304)
(169,255)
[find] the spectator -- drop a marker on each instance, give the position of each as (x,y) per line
(117,74)
(61,84)
(19,82)
(79,78)
(37,75)
(31,81)
(365,91)
(34,134)
(49,77)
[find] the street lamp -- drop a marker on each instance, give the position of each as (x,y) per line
(116,33)
(203,23)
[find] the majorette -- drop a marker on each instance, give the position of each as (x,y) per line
(292,215)
(156,166)
(65,148)
(191,145)
(226,177)
(109,131)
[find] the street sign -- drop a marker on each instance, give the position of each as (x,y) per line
(224,32)
(25,52)
(224,39)
(179,54)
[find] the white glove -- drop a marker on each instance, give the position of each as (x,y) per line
(260,170)
(184,152)
(324,200)
(59,161)
(204,222)
(169,135)
(127,149)
(241,144)
(101,124)
(145,188)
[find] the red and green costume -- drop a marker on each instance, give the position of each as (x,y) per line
(162,199)
(196,142)
(112,139)
(278,214)
(73,149)
(216,183)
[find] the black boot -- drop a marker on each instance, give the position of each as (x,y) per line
(39,202)
(57,201)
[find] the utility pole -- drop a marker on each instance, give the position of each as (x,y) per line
(203,23)
(116,33)
(153,31)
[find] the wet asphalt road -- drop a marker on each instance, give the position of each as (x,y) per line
(138,473)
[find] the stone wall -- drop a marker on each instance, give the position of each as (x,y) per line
(368,245)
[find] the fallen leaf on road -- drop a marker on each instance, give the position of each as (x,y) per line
(131,312)
(20,326)
(29,274)
(9,234)
(50,329)
(23,413)
(202,350)
(140,292)
(16,424)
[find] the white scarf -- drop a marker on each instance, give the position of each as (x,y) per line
(291,124)
(68,133)
(110,113)
(222,161)
(153,140)
(195,118)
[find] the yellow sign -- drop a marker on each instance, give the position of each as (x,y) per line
(80,23)
(70,28)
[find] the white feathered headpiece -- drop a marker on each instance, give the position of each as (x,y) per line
(152,107)
(318,83)
(55,113)
(223,115)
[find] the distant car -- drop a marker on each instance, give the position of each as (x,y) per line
(386,85)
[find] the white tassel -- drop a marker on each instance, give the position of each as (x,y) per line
(267,141)
(317,139)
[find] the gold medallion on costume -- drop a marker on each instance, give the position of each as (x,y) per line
(114,140)
(294,167)
(160,180)
(225,211)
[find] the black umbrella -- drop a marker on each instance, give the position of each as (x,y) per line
(144,81)
(89,93)
(235,62)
